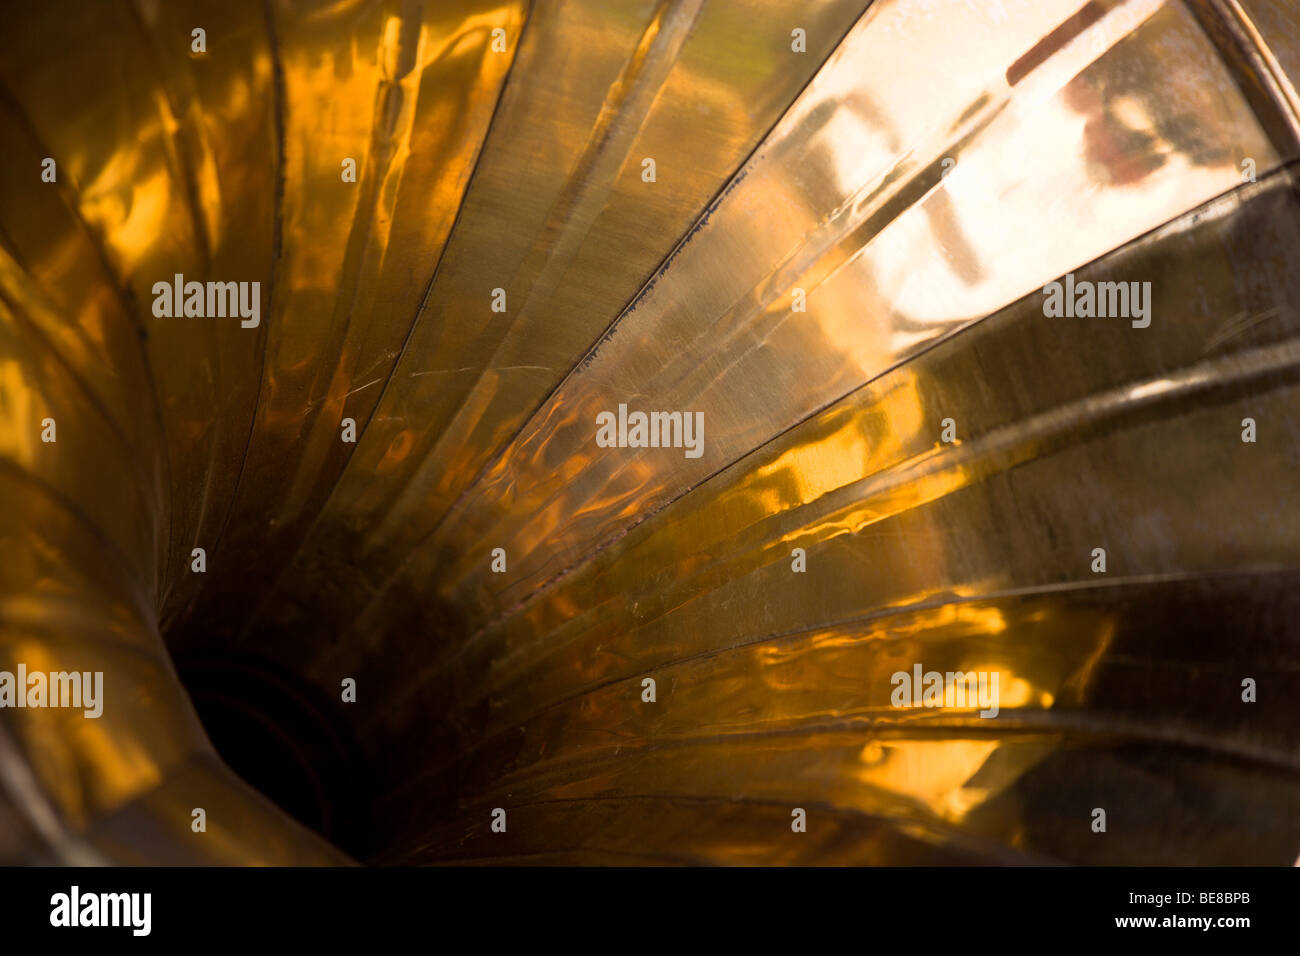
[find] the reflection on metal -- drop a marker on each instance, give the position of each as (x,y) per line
(842,249)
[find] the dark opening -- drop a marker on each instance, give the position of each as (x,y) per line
(287,741)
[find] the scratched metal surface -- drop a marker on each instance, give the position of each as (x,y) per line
(915,177)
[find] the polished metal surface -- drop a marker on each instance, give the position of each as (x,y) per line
(826,229)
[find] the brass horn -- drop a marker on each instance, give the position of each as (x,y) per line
(604,431)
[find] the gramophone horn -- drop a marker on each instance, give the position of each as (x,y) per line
(605,431)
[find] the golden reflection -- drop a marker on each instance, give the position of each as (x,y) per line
(847,337)
(909,467)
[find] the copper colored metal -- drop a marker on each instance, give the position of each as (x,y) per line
(839,263)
